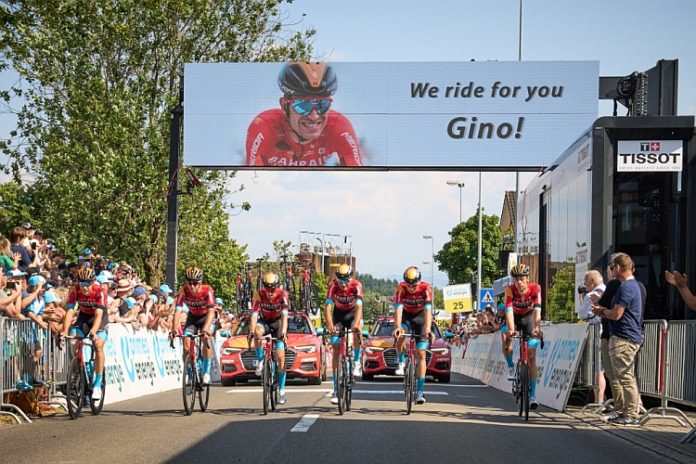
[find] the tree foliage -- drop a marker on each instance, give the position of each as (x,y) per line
(98,82)
(561,300)
(458,257)
(384,287)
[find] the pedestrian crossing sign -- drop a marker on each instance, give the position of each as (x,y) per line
(485,297)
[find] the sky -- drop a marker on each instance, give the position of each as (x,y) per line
(386,214)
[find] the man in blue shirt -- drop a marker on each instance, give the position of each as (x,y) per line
(626,326)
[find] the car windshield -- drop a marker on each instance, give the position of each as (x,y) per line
(386,328)
(296,325)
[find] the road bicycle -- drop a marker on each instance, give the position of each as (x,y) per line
(306,291)
(192,378)
(343,372)
(269,375)
(410,373)
(244,290)
(520,383)
(81,378)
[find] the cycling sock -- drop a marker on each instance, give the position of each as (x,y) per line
(281,381)
(97,380)
(206,365)
(532,388)
(356,354)
(259,354)
(402,357)
(508,359)
(335,386)
(420,384)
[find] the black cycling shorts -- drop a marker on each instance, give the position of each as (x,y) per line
(343,319)
(414,324)
(271,327)
(194,324)
(84,322)
(525,324)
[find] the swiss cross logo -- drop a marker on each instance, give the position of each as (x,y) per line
(650,146)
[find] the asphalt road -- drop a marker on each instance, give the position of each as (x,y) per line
(462,422)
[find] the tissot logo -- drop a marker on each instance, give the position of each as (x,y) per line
(650,146)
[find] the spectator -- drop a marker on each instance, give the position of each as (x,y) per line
(681,281)
(10,295)
(625,322)
(8,259)
(19,246)
(591,292)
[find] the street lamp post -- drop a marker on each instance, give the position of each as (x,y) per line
(480,240)
(322,240)
(461,186)
(432,258)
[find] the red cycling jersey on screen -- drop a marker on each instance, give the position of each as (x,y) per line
(414,302)
(271,304)
(270,142)
(344,298)
(523,304)
(88,302)
(197,302)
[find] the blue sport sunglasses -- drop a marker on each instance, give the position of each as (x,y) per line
(304,107)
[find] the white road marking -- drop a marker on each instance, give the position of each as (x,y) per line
(439,385)
(288,390)
(305,423)
(395,392)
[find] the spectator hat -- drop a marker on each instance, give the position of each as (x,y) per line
(50,297)
(36,280)
(16,273)
(102,279)
(164,288)
(139,291)
(86,252)
(124,286)
(170,300)
(218,301)
(27,225)
(130,302)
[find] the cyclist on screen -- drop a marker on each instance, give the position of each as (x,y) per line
(199,299)
(269,315)
(413,313)
(90,298)
(304,131)
(344,308)
(523,312)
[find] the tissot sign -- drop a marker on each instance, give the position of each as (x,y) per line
(649,156)
(385,115)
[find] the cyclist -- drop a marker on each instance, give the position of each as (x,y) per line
(413,313)
(199,298)
(269,315)
(344,307)
(304,131)
(90,298)
(522,311)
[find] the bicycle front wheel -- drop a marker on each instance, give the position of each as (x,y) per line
(274,385)
(188,387)
(409,385)
(340,385)
(524,390)
(267,386)
(348,380)
(75,388)
(97,405)
(203,397)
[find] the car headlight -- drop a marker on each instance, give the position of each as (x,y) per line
(373,349)
(306,348)
(440,350)
(231,350)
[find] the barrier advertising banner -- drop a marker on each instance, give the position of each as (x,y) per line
(139,362)
(557,362)
(397,115)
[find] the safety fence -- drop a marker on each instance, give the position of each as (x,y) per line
(665,368)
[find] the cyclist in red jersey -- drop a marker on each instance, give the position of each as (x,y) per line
(523,312)
(269,315)
(304,131)
(413,313)
(199,298)
(90,298)
(344,307)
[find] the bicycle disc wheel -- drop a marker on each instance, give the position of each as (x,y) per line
(409,385)
(188,385)
(347,380)
(98,405)
(266,380)
(524,387)
(75,390)
(340,395)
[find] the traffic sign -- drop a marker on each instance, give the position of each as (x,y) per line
(485,297)
(458,298)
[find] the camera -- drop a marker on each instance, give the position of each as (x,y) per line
(582,289)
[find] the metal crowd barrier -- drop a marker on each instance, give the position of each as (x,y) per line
(665,368)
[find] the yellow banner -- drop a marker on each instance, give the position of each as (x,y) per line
(458,298)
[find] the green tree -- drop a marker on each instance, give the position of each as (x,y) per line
(16,206)
(379,286)
(561,299)
(458,257)
(98,82)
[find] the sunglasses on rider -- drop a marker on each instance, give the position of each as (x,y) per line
(304,107)
(194,282)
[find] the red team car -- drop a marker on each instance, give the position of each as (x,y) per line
(304,358)
(380,357)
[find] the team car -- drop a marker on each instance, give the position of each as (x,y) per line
(380,357)
(305,356)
